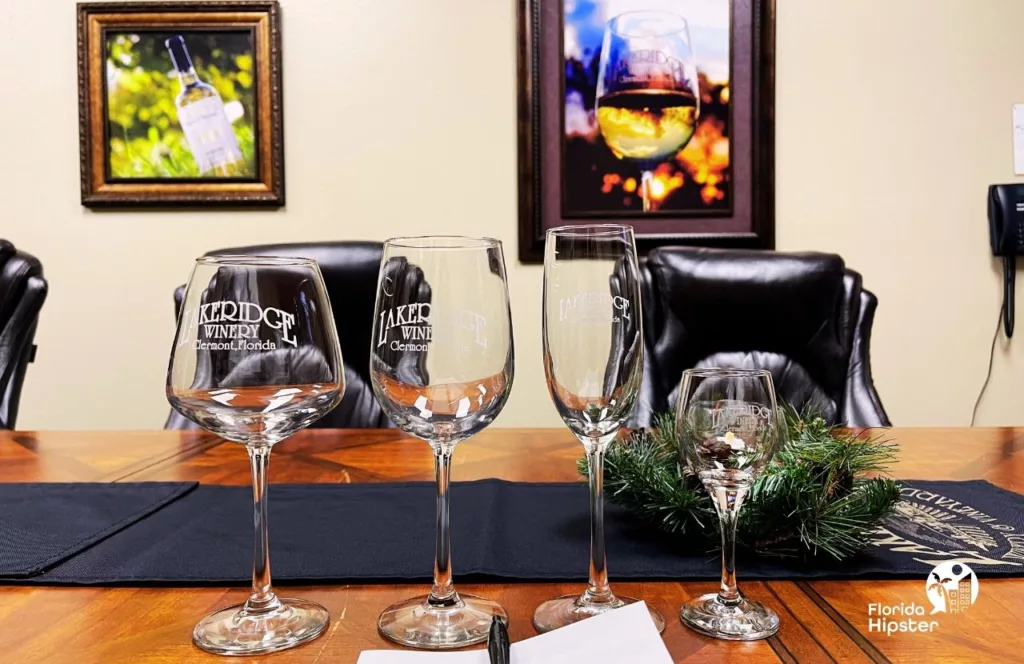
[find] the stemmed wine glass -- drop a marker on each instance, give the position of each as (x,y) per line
(441,363)
(648,97)
(729,426)
(593,361)
(255,359)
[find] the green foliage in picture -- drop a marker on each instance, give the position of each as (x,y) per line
(146,139)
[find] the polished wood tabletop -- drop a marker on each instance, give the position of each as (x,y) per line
(821,621)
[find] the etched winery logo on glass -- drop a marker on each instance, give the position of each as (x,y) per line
(739,415)
(410,327)
(594,308)
(231,325)
(730,433)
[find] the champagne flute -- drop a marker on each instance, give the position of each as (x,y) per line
(593,361)
(441,363)
(648,97)
(729,426)
(255,359)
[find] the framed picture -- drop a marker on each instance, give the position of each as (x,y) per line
(654,113)
(180,103)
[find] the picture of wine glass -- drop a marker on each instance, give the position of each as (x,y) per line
(255,359)
(593,361)
(441,363)
(648,97)
(729,426)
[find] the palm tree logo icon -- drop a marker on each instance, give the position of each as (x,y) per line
(952,587)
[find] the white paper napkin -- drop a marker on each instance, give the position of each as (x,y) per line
(624,635)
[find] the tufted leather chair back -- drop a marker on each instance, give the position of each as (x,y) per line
(803,316)
(22,293)
(350,275)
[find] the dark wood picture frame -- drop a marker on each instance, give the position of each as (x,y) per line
(537,156)
(262,17)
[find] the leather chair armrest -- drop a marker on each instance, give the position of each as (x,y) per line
(862,406)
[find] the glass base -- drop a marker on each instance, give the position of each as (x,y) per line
(746,620)
(234,631)
(416,624)
(569,609)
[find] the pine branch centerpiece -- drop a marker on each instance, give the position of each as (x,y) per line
(824,493)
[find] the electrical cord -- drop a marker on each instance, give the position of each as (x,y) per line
(991,357)
(1009,282)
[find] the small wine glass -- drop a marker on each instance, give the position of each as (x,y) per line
(593,360)
(255,359)
(648,96)
(729,426)
(441,364)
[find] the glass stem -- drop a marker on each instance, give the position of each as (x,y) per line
(645,189)
(728,499)
(443,594)
(262,598)
(598,588)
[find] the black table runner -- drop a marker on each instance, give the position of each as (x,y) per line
(44,524)
(326,533)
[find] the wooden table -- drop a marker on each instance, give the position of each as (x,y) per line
(822,621)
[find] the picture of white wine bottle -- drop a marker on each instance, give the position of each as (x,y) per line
(203,119)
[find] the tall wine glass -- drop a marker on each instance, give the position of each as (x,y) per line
(648,97)
(441,363)
(729,426)
(593,360)
(255,359)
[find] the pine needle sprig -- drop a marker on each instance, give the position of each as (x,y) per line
(824,493)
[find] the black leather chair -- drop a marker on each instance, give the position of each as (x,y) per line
(350,274)
(803,316)
(22,293)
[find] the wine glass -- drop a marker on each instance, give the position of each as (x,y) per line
(255,359)
(729,426)
(441,363)
(593,361)
(648,97)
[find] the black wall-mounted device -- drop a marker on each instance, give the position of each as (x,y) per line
(1006,234)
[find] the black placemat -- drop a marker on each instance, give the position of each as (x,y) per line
(512,531)
(43,524)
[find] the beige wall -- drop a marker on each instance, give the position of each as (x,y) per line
(893,116)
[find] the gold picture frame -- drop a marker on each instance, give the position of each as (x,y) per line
(165,171)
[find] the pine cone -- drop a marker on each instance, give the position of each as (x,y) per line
(716,449)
